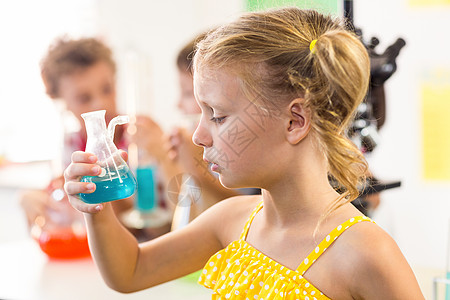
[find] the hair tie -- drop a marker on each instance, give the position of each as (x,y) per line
(312,45)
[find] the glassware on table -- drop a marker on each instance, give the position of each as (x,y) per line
(60,232)
(147,215)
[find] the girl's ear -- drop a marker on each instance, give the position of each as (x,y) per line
(299,121)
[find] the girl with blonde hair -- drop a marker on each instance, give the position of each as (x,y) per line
(277,91)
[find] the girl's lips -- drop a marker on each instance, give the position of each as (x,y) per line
(215,167)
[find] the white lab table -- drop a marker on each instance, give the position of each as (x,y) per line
(26,273)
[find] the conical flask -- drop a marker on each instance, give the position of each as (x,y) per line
(115,180)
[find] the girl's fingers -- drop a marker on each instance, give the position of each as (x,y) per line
(75,188)
(83,157)
(75,170)
(124,155)
(79,205)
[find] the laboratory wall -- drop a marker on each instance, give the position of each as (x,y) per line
(414,141)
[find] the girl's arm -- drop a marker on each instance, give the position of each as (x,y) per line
(125,265)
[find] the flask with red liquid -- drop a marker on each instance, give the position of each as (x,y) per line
(60,232)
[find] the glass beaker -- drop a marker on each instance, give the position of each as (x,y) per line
(115,181)
(60,230)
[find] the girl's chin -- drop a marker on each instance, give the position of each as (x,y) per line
(230,183)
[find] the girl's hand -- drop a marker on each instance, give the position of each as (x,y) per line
(149,136)
(186,153)
(83,164)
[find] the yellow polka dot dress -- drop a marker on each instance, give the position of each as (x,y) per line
(242,272)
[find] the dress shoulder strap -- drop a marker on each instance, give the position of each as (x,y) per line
(327,241)
(249,221)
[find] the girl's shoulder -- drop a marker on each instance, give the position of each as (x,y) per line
(366,253)
(229,216)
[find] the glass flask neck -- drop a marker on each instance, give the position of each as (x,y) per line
(95,123)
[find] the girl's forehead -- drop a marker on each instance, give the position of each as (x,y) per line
(214,83)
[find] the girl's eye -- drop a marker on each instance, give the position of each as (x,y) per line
(218,120)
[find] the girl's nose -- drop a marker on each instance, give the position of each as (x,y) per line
(201,136)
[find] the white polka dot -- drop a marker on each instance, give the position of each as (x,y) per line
(237,262)
(252,287)
(261,283)
(281,294)
(339,227)
(306,261)
(255,297)
(317,249)
(306,298)
(352,220)
(276,290)
(228,260)
(266,286)
(288,271)
(208,277)
(313,292)
(223,277)
(236,292)
(304,293)
(307,284)
(215,269)
(231,275)
(328,238)
(297,291)
(219,255)
(231,282)
(211,264)
(204,271)
(227,296)
(245,273)
(245,281)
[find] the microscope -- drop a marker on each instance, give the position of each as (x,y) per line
(371,113)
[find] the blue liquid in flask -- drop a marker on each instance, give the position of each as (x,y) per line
(110,187)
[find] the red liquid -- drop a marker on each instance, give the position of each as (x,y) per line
(62,243)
